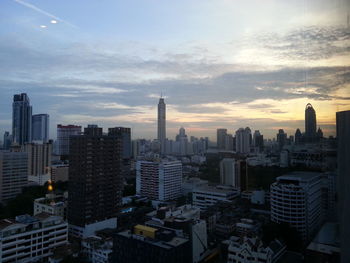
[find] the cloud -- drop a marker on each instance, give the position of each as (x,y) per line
(81,83)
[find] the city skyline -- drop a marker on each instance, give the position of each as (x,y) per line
(260,72)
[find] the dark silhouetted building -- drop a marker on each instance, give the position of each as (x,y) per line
(343,136)
(221,138)
(21,119)
(125,134)
(95,178)
(150,245)
(310,123)
(298,137)
(281,139)
(161,124)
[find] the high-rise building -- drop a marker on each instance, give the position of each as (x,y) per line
(21,119)
(258,141)
(95,179)
(221,138)
(159,179)
(161,124)
(228,142)
(63,134)
(298,137)
(7,141)
(281,139)
(296,199)
(343,136)
(243,140)
(13,174)
(181,138)
(125,134)
(228,174)
(310,123)
(40,127)
(39,161)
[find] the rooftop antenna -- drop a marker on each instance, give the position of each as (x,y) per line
(161,94)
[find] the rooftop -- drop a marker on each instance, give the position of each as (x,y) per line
(300,176)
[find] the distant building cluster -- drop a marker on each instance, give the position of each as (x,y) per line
(242,199)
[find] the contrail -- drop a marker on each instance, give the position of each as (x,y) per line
(33,7)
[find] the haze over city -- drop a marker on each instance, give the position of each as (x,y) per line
(217,63)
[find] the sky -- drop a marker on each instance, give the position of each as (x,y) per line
(218,63)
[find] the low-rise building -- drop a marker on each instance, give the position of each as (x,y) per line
(31,238)
(97,249)
(51,204)
(204,197)
(252,250)
(148,244)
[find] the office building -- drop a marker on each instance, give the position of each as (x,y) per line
(39,161)
(63,134)
(125,134)
(243,140)
(149,244)
(59,172)
(40,127)
(281,139)
(159,179)
(228,172)
(21,119)
(310,123)
(221,138)
(296,199)
(298,137)
(95,180)
(7,141)
(31,238)
(343,136)
(13,174)
(206,196)
(161,124)
(258,141)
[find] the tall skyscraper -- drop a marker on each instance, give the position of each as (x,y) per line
(161,124)
(281,138)
(310,123)
(40,127)
(258,141)
(21,119)
(125,134)
(159,179)
(95,178)
(221,138)
(63,134)
(298,136)
(243,140)
(13,174)
(343,137)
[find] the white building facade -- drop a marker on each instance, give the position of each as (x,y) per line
(159,179)
(204,197)
(296,199)
(31,239)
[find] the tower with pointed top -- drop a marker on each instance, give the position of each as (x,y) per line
(310,123)
(161,124)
